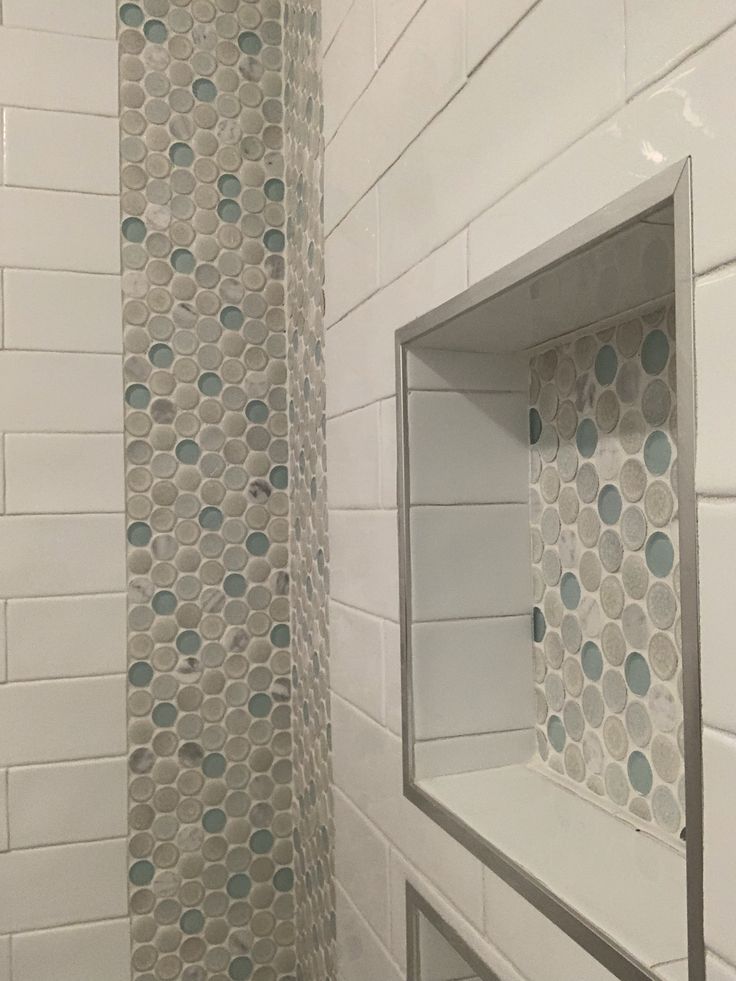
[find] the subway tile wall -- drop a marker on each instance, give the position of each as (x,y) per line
(63,900)
(545,112)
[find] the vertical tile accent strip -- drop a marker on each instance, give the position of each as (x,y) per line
(203,218)
(314,831)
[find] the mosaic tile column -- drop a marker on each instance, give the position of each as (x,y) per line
(203,239)
(314,831)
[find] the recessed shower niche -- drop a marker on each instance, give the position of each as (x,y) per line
(550,664)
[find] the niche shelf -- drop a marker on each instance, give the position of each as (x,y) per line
(550,666)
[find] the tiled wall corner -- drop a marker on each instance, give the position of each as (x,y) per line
(63,775)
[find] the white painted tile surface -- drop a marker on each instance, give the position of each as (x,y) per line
(41,70)
(363,543)
(63,884)
(53,473)
(60,392)
(82,17)
(351,255)
(62,151)
(360,953)
(468,447)
(49,555)
(59,229)
(717,545)
(719,793)
(36,720)
(660,34)
(379,127)
(472,676)
(392,18)
(356,659)
(361,864)
(64,637)
(349,64)
(489,21)
(74,953)
(353,439)
(470,561)
(67,802)
(58,311)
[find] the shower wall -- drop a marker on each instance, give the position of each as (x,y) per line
(462,134)
(62,578)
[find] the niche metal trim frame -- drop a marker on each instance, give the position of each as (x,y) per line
(673,185)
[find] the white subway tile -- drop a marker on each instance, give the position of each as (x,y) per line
(437,370)
(62,885)
(356,658)
(351,259)
(488,21)
(42,392)
(349,64)
(717,544)
(5,959)
(3,641)
(86,18)
(387,450)
(718,970)
(59,311)
(53,473)
(4,825)
(361,864)
(40,70)
(380,125)
(66,637)
(354,459)
(392,675)
(360,954)
(719,801)
(468,447)
(67,802)
(364,561)
(62,151)
(50,721)
(360,353)
(333,14)
(74,953)
(392,18)
(482,751)
(715,298)
(678,971)
(50,555)
(59,229)
(470,561)
(659,34)
(503,125)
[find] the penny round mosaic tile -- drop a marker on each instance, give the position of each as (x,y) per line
(604,555)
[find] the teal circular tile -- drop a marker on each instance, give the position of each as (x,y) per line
(211,518)
(280,635)
(214,820)
(284,880)
(209,384)
(274,240)
(161,356)
(570,590)
(655,352)
(640,773)
(592,660)
(274,189)
(261,842)
(234,584)
(638,677)
(238,886)
(539,626)
(164,715)
(535,426)
(187,451)
(229,210)
(164,602)
(609,504)
(213,765)
(181,155)
(204,90)
(232,318)
(660,554)
(606,365)
(256,411)
(279,477)
(188,642)
(192,921)
(249,43)
(131,15)
(137,396)
(229,185)
(140,674)
(556,732)
(257,543)
(586,438)
(155,31)
(134,230)
(141,873)
(183,261)
(240,969)
(657,453)
(139,534)
(259,705)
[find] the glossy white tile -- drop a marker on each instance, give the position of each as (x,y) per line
(458,371)
(392,19)
(356,658)
(351,256)
(75,952)
(5,959)
(462,754)
(719,800)
(349,64)
(718,970)
(364,561)
(361,955)
(333,14)
(489,21)
(392,675)
(353,439)
(82,17)
(361,864)
(387,450)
